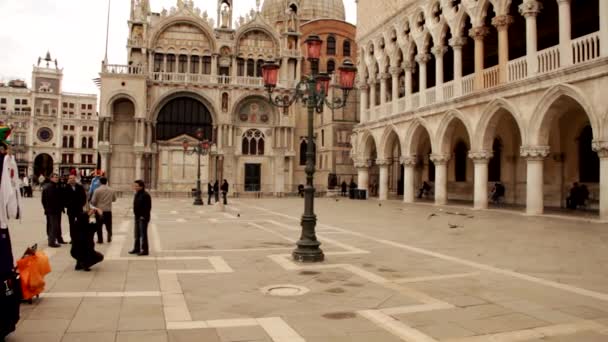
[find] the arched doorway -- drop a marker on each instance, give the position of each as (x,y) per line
(183,115)
(456,144)
(122,139)
(43,165)
(424,169)
(392,181)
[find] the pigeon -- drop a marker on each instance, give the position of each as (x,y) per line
(454,226)
(238,215)
(379,204)
(431,215)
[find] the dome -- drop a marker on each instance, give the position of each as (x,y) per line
(274,10)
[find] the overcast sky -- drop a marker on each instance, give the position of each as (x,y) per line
(74,32)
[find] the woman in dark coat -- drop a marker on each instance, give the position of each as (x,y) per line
(83,244)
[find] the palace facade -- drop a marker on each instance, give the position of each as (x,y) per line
(465,93)
(186,71)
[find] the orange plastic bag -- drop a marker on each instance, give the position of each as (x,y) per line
(32,269)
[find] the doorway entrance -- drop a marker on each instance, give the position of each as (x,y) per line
(253,176)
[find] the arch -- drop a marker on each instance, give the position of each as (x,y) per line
(162,101)
(484,133)
(543,114)
(200,24)
(243,30)
(368,144)
(43,165)
(253,142)
(183,115)
(330,47)
(442,143)
(387,141)
(121,95)
(245,99)
(414,135)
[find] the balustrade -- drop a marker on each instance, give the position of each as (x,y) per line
(490,77)
(123,69)
(467,84)
(430,96)
(415,101)
(518,69)
(448,90)
(548,59)
(586,48)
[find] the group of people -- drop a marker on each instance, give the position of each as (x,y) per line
(213,190)
(88,213)
(579,195)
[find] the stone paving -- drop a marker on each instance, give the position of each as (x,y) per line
(393,272)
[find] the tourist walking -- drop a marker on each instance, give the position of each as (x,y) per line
(142,206)
(224,189)
(209,192)
(75,199)
(53,207)
(102,199)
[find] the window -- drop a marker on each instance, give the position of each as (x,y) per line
(250,64)
(90,142)
(17,101)
(71,140)
(170,63)
(83,106)
(303,148)
(158,62)
(71,106)
(65,105)
(90,107)
(65,127)
(183,64)
(258,71)
(3,101)
(45,108)
(331,66)
(346,48)
(65,142)
(194,64)
(84,143)
(207,65)
(331,46)
(83,159)
(240,67)
(322,137)
(253,142)
(71,128)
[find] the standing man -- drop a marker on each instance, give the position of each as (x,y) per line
(209,192)
(53,207)
(216,190)
(102,199)
(75,199)
(225,190)
(142,205)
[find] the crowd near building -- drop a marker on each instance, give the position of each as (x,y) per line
(465,93)
(52,130)
(185,71)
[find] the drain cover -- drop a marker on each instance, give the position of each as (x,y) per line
(284,290)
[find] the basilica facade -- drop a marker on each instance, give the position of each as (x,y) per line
(187,72)
(462,94)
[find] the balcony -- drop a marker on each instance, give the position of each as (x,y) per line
(582,50)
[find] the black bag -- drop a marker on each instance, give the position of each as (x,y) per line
(10,300)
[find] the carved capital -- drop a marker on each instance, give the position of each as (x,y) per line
(363,86)
(385,76)
(479,33)
(439,51)
(601,148)
(409,161)
(502,22)
(409,66)
(371,81)
(481,157)
(395,71)
(458,42)
(383,162)
(535,152)
(440,159)
(423,58)
(530,8)
(362,164)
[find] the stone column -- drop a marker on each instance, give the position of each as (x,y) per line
(299,69)
(439,51)
(535,157)
(214,65)
(285,71)
(372,98)
(441,177)
(422,59)
(383,79)
(395,71)
(457,43)
(565,33)
(479,34)
(603,15)
(383,181)
(502,23)
(362,176)
(601,147)
(530,10)
(409,169)
(481,160)
(138,156)
(409,69)
(104,160)
(364,92)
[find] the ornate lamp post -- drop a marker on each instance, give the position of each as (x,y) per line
(312,91)
(202,148)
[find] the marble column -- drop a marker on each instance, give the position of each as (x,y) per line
(601,148)
(395,72)
(214,65)
(439,51)
(441,177)
(457,43)
(298,69)
(481,160)
(383,83)
(565,32)
(530,10)
(535,158)
(423,59)
(362,176)
(479,34)
(409,68)
(502,23)
(383,179)
(138,157)
(372,99)
(409,174)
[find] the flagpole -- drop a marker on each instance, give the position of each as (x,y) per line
(107,33)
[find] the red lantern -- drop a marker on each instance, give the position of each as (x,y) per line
(323,83)
(270,74)
(313,47)
(347,75)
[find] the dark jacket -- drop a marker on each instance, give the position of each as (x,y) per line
(83,243)
(209,188)
(215,186)
(224,186)
(142,205)
(52,200)
(74,199)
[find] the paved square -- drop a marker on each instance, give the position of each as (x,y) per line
(392,273)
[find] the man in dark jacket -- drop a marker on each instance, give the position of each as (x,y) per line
(216,190)
(224,190)
(53,207)
(142,206)
(75,198)
(209,192)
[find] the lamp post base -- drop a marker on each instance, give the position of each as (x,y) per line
(198,201)
(308,251)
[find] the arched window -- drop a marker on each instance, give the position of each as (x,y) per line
(250,64)
(90,142)
(331,66)
(84,143)
(206,65)
(495,163)
(65,142)
(170,63)
(331,46)
(240,67)
(303,148)
(258,70)
(346,48)
(460,161)
(158,62)
(183,115)
(183,64)
(194,63)
(253,142)
(588,161)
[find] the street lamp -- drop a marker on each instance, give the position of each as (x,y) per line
(202,148)
(312,91)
